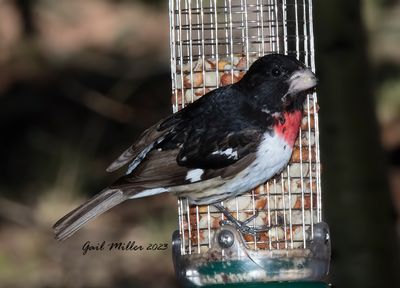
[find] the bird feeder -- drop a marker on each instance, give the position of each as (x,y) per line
(213,43)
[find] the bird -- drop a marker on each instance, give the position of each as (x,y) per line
(224,144)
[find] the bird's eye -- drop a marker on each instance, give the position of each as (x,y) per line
(276,72)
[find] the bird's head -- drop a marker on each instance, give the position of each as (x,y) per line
(278,83)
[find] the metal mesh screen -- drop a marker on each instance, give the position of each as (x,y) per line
(213,43)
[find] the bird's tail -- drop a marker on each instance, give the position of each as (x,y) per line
(74,220)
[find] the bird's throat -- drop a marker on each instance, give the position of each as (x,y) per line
(288,126)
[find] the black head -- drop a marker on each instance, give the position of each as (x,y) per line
(278,82)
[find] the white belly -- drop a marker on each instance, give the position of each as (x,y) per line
(272,156)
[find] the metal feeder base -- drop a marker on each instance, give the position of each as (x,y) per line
(236,264)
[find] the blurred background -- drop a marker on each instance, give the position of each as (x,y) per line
(80,80)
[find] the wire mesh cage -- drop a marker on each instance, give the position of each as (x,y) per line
(213,43)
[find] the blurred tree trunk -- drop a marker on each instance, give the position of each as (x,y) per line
(25,10)
(357,200)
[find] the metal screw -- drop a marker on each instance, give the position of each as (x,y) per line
(226,238)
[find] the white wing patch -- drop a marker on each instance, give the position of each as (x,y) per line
(227,152)
(194,175)
(149,192)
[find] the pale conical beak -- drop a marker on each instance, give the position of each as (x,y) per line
(301,80)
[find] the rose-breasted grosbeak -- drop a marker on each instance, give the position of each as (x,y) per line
(229,141)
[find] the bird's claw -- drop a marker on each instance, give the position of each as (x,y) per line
(241,226)
(252,230)
(251,218)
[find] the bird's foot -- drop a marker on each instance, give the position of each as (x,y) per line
(241,226)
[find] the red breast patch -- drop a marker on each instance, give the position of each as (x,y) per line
(290,128)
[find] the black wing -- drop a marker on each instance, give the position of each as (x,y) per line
(212,134)
(222,129)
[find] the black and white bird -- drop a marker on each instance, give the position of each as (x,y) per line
(229,141)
